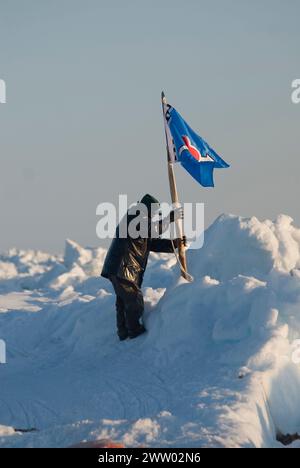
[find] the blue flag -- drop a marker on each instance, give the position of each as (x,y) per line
(188,148)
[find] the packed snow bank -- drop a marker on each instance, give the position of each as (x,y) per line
(245,246)
(218,366)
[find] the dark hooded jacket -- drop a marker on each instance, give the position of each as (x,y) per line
(127,257)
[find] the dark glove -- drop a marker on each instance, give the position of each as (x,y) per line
(182,241)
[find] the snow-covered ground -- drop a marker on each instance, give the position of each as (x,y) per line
(216,368)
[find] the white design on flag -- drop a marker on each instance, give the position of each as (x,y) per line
(170,141)
(194,151)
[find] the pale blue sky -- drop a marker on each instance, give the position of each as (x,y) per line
(83,121)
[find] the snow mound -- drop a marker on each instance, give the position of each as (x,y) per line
(247,246)
(218,367)
(8,270)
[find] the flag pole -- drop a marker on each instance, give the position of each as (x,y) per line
(174,197)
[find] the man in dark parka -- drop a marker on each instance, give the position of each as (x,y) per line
(125,264)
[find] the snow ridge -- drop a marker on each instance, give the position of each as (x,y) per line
(218,366)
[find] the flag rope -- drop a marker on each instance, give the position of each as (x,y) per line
(186,275)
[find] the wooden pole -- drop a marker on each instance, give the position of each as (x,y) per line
(174,197)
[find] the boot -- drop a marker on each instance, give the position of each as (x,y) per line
(137,332)
(123,335)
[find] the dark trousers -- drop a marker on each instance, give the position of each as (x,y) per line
(129,305)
